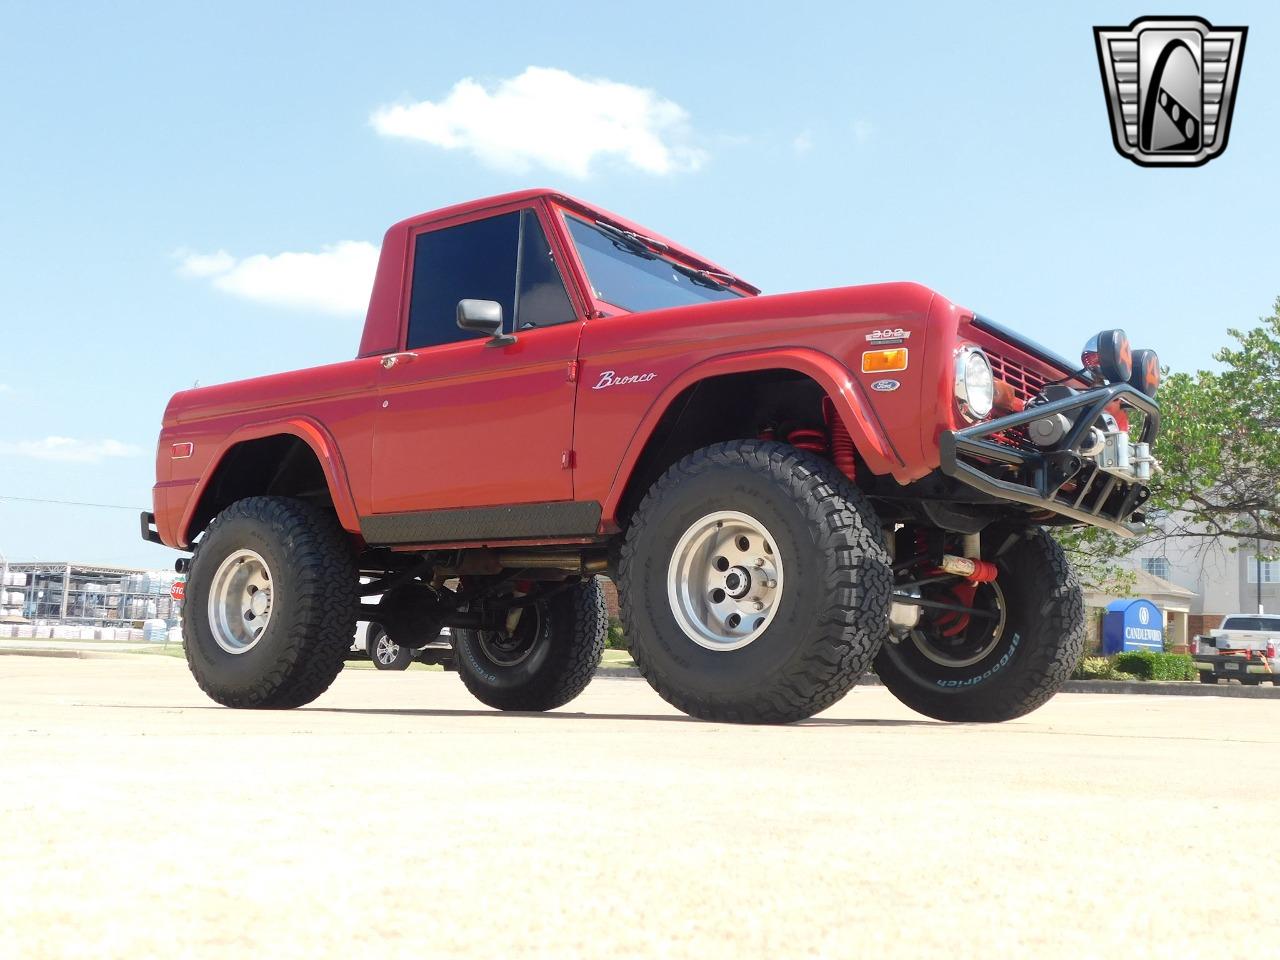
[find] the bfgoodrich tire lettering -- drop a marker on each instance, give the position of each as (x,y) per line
(313,604)
(1042,640)
(832,613)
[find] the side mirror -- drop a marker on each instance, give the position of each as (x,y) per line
(484,316)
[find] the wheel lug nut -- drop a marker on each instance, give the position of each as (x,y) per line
(759,561)
(759,605)
(772,584)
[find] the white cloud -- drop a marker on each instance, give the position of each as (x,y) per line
(863,130)
(554,119)
(802,143)
(5,388)
(205,264)
(68,449)
(336,280)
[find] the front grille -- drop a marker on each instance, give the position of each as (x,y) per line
(1024,382)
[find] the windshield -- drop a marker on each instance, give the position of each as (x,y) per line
(629,275)
(1251,623)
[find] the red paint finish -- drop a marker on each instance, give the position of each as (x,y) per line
(565,412)
(470,425)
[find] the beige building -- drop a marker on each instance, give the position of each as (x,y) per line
(1222,577)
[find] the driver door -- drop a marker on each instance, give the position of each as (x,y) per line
(464,423)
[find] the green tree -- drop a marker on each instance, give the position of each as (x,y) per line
(1220,443)
(1219,450)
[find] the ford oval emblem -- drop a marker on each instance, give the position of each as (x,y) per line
(885,386)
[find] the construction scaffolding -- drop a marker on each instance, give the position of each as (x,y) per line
(87,595)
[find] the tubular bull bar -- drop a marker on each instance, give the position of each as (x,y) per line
(1037,477)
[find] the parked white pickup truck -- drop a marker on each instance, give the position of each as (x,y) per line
(1244,648)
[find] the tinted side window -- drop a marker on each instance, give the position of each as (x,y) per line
(474,260)
(541,300)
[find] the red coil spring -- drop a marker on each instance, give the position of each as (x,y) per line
(837,445)
(815,441)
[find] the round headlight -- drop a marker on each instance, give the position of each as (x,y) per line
(1146,371)
(975,384)
(1109,354)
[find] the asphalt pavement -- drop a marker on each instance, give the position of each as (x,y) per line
(396,817)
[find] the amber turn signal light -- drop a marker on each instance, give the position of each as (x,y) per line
(884,361)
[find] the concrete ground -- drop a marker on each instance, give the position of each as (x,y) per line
(398,818)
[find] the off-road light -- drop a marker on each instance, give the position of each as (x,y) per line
(1109,354)
(1146,371)
(975,383)
(884,361)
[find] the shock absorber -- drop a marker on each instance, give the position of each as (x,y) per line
(971,568)
(841,443)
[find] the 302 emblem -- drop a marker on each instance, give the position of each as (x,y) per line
(895,335)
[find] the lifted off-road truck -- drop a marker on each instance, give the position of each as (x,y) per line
(786,489)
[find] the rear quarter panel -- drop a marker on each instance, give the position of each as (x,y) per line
(330,407)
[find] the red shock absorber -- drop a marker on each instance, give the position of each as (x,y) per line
(841,443)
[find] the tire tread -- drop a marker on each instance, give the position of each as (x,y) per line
(851,625)
(314,649)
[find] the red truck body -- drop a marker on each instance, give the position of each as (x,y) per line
(785,488)
(562,415)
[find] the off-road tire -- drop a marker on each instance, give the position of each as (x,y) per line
(314,602)
(561,662)
(402,659)
(832,613)
(1042,643)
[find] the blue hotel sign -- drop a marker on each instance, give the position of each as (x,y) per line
(1132,625)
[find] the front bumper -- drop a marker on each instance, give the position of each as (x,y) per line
(1059,479)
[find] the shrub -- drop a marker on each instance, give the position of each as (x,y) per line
(1094,668)
(615,639)
(1146,665)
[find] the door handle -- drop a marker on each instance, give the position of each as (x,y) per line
(391,359)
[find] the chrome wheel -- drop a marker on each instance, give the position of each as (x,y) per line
(240,600)
(724,581)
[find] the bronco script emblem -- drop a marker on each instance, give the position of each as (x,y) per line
(1170,84)
(611,379)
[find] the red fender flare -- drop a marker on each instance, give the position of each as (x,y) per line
(851,404)
(315,436)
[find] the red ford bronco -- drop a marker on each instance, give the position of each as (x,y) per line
(787,490)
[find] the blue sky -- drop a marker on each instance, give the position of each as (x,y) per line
(159,158)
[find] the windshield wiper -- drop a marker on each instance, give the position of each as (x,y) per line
(704,278)
(636,243)
(650,248)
